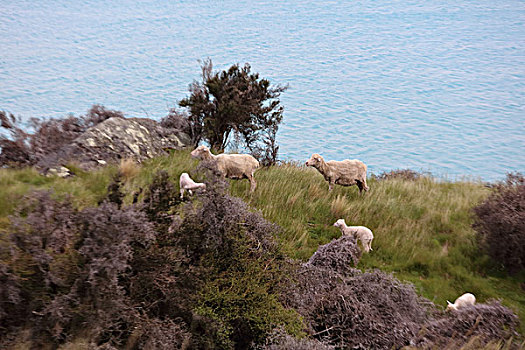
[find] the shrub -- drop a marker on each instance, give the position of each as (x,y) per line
(160,334)
(10,297)
(181,121)
(241,265)
(49,135)
(486,322)
(115,194)
(346,308)
(160,197)
(402,174)
(281,340)
(338,255)
(500,223)
(128,168)
(73,264)
(15,150)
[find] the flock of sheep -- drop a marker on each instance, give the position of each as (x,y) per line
(346,173)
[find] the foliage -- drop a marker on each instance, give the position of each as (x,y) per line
(235,101)
(486,322)
(279,339)
(181,121)
(72,263)
(500,222)
(422,233)
(338,255)
(15,151)
(115,194)
(49,135)
(403,174)
(243,268)
(347,308)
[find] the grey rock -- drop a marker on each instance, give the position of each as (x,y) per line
(118,138)
(60,171)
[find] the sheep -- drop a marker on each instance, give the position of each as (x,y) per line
(466,299)
(364,234)
(232,166)
(345,173)
(187,184)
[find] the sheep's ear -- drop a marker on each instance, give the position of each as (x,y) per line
(449,303)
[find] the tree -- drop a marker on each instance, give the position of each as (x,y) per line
(234,101)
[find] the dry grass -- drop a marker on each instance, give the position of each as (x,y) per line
(339,207)
(128,169)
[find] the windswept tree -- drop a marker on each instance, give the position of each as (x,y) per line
(235,102)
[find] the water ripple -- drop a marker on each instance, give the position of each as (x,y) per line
(431,86)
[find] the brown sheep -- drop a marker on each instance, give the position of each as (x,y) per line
(232,166)
(345,173)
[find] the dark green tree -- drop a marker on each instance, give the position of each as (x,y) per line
(234,101)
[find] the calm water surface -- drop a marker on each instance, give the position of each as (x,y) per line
(430,85)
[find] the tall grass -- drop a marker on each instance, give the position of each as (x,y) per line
(422,228)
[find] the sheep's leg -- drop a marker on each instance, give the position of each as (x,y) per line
(191,193)
(182,193)
(360,186)
(365,186)
(330,186)
(253,184)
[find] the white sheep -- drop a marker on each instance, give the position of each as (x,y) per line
(187,184)
(364,234)
(466,299)
(232,166)
(345,173)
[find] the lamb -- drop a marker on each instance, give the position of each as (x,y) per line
(345,173)
(232,166)
(364,234)
(187,184)
(466,299)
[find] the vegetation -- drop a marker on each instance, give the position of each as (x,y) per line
(500,222)
(234,102)
(423,234)
(21,147)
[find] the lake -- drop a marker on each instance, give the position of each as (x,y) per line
(427,85)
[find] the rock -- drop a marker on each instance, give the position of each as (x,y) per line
(60,171)
(115,139)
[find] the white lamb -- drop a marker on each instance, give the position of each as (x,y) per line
(466,299)
(187,184)
(232,166)
(364,234)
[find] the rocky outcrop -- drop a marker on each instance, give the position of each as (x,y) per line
(115,139)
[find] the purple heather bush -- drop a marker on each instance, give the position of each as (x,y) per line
(500,223)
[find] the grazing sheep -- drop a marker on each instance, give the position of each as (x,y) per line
(466,299)
(187,184)
(345,173)
(232,166)
(364,234)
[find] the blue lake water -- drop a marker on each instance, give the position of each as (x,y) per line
(430,85)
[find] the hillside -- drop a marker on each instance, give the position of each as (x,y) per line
(422,228)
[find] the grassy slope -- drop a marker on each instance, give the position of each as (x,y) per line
(422,229)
